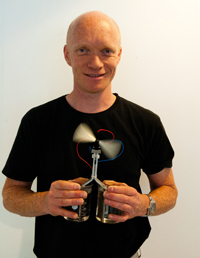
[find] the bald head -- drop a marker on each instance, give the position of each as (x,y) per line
(93,51)
(93,18)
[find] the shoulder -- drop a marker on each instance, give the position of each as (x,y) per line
(137,112)
(40,117)
(45,110)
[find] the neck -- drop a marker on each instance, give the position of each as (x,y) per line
(90,102)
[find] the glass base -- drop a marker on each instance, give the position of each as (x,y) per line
(78,219)
(107,221)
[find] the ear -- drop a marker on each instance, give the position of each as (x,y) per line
(119,54)
(66,55)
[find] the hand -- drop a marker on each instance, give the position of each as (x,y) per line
(65,193)
(127,199)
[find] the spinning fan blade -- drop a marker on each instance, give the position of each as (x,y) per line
(110,148)
(83,133)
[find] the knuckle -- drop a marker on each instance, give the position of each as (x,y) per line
(66,194)
(50,194)
(56,184)
(67,202)
(123,219)
(123,207)
(133,202)
(53,211)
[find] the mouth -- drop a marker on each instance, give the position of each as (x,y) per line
(95,75)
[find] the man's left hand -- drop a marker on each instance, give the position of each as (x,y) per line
(126,199)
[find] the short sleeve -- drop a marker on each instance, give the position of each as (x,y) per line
(21,163)
(158,152)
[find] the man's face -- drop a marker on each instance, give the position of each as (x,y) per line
(93,52)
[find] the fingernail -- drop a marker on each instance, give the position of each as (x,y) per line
(105,194)
(107,202)
(84,195)
(79,202)
(75,216)
(77,187)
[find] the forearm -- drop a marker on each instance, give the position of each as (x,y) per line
(165,198)
(163,190)
(24,202)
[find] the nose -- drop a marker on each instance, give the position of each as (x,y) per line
(95,62)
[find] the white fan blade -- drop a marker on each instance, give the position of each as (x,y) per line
(110,148)
(83,133)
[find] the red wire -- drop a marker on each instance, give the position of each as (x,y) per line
(109,132)
(80,156)
(83,140)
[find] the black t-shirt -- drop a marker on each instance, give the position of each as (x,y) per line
(44,149)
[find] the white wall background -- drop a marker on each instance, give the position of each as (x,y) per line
(160,70)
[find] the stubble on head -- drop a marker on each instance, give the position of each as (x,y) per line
(94,18)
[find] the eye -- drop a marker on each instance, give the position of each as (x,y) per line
(107,52)
(83,51)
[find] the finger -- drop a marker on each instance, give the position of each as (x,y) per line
(117,218)
(118,205)
(70,214)
(121,198)
(67,202)
(111,182)
(121,202)
(126,190)
(68,194)
(65,185)
(64,213)
(79,180)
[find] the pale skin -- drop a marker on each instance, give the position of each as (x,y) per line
(93,50)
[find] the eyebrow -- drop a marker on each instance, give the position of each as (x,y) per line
(85,45)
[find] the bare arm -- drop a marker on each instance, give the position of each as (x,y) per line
(20,199)
(127,199)
(163,190)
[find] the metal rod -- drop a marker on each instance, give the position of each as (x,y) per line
(95,155)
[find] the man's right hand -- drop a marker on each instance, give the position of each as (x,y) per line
(65,193)
(20,199)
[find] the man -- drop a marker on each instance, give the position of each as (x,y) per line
(44,149)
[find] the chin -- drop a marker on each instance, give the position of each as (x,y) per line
(97,90)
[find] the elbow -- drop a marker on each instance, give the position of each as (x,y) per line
(175,197)
(5,199)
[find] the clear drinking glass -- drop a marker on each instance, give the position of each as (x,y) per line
(103,210)
(83,210)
